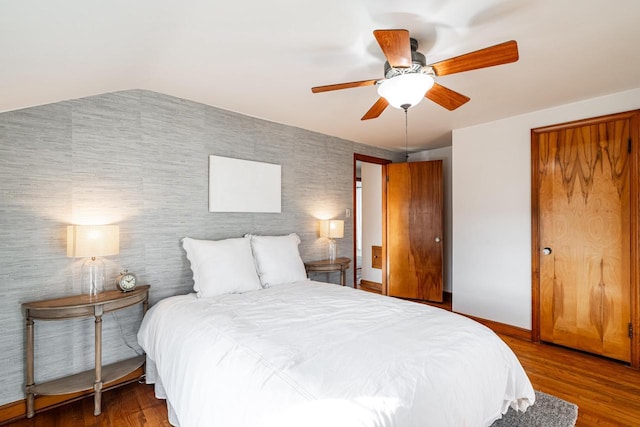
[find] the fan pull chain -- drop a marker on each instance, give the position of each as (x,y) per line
(405,107)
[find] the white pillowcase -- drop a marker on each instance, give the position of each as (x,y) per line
(221,266)
(278,259)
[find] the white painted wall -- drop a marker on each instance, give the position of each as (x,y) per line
(492,208)
(371,176)
(443,154)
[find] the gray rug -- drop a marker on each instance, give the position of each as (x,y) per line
(548,411)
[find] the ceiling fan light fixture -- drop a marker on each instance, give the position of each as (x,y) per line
(405,89)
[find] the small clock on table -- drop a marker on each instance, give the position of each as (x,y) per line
(126,281)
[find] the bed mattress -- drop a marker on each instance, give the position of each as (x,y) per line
(316,354)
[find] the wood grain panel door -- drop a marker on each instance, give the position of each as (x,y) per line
(414,230)
(583,178)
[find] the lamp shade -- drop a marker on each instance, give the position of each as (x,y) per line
(332,228)
(93,240)
(405,89)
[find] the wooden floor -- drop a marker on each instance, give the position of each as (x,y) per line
(607,392)
(131,405)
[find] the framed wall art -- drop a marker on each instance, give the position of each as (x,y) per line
(237,185)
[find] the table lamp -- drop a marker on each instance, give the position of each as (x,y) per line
(332,229)
(91,242)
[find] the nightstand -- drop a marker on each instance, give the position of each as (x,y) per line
(326,266)
(73,307)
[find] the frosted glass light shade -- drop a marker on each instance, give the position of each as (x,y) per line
(405,89)
(332,228)
(93,240)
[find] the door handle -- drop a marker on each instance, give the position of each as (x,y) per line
(437,240)
(547,251)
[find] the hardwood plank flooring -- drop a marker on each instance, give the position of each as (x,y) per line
(132,405)
(606,392)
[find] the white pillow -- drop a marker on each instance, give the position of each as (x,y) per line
(277,259)
(221,266)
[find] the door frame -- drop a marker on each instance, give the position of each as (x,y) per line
(378,161)
(634,206)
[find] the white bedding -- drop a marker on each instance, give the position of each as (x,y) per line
(315,354)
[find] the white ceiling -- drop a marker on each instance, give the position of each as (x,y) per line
(261,58)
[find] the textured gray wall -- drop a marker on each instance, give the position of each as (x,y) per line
(139,159)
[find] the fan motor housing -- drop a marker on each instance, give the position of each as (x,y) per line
(418,61)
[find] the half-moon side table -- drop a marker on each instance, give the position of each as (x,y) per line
(74,307)
(326,266)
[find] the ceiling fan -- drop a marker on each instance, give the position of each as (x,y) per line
(407,77)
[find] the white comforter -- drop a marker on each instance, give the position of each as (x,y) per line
(315,354)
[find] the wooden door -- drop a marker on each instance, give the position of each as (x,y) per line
(584,242)
(414,230)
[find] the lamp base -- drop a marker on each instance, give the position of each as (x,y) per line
(93,277)
(332,250)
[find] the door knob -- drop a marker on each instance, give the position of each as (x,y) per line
(437,240)
(547,251)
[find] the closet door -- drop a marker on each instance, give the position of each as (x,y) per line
(584,236)
(414,230)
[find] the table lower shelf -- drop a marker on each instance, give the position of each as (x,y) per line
(85,380)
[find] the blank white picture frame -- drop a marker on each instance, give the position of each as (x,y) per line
(237,185)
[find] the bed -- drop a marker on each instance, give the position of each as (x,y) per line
(306,353)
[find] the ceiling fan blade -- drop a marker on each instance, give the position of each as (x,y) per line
(502,53)
(327,88)
(446,97)
(396,46)
(376,109)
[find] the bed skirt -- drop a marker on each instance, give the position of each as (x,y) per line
(151,377)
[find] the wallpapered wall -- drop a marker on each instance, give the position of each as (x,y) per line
(139,159)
